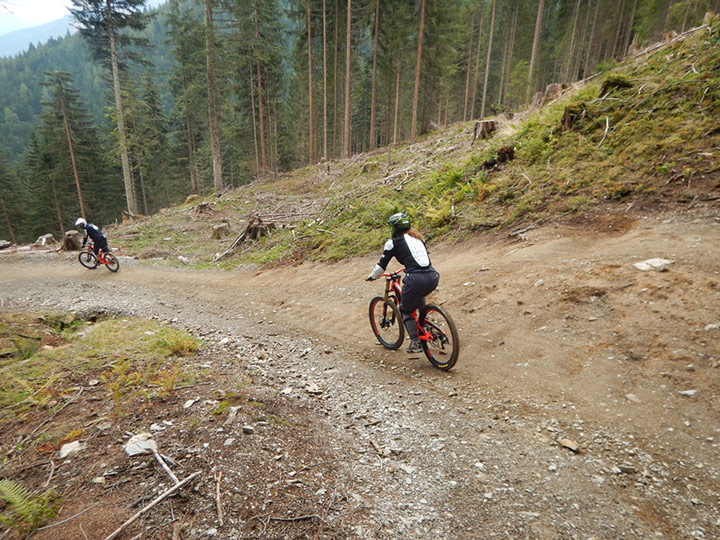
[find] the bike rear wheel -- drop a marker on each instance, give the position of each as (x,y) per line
(386,323)
(111,262)
(88,259)
(443,348)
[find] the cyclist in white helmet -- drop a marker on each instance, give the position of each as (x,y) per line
(95,234)
(407,245)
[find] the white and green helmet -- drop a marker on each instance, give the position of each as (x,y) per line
(398,222)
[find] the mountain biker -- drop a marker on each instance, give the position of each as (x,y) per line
(407,245)
(95,234)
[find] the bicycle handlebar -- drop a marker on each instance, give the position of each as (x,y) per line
(393,275)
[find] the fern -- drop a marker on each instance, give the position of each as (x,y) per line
(23,511)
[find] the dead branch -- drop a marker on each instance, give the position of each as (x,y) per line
(151,505)
(52,470)
(218,477)
(607,127)
(162,463)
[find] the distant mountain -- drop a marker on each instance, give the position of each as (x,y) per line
(18,42)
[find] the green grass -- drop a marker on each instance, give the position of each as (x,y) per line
(138,360)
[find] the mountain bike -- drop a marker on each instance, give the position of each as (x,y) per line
(88,259)
(436,330)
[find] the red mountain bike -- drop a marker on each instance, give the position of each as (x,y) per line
(436,330)
(88,259)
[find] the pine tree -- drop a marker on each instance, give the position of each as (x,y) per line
(102,23)
(212,92)
(187,84)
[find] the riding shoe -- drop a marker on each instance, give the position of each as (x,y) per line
(414,346)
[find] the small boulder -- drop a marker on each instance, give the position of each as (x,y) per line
(71,449)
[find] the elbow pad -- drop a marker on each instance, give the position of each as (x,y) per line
(376,271)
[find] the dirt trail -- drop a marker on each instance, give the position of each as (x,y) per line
(562,338)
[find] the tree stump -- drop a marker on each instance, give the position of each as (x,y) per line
(45,240)
(72,241)
(572,115)
(203,209)
(483,129)
(220,231)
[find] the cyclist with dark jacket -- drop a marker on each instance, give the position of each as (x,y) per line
(407,245)
(96,235)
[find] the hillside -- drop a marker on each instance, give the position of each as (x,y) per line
(643,137)
(585,402)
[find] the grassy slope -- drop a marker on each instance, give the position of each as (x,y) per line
(644,135)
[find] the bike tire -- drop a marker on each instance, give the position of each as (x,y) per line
(88,259)
(443,348)
(386,323)
(111,262)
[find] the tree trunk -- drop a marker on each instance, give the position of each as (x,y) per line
(190,129)
(213,118)
(374,77)
(571,51)
(122,134)
(263,157)
(507,60)
(72,154)
(582,44)
(254,123)
(311,144)
(533,55)
(487,63)
(591,43)
(7,220)
(335,81)
(473,99)
(58,211)
(347,143)
(618,27)
(325,120)
(397,103)
(416,93)
(631,22)
(469,68)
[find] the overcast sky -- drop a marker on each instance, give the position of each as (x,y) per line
(19,14)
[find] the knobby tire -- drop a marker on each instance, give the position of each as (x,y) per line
(386,323)
(444,347)
(111,262)
(88,259)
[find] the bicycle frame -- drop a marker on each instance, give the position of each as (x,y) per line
(100,254)
(394,287)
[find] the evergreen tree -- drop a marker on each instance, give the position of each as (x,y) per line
(102,23)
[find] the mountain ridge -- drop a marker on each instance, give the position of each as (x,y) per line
(18,41)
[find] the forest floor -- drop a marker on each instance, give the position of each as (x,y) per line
(565,343)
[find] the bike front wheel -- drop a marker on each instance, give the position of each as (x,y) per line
(443,347)
(386,323)
(88,259)
(111,262)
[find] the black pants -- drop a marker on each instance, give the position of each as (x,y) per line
(100,244)
(416,286)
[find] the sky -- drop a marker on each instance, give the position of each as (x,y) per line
(19,14)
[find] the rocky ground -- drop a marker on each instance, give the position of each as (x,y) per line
(584,404)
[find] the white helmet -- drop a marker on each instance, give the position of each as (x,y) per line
(81,222)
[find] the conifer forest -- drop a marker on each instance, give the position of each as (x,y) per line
(141,108)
